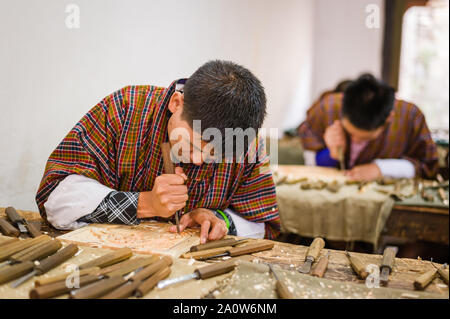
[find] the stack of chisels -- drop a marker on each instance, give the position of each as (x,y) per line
(17,225)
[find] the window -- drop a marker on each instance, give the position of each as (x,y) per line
(424,61)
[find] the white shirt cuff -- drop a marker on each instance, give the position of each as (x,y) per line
(246,228)
(74,197)
(309,157)
(396,168)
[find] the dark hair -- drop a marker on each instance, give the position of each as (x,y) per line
(223,94)
(368,102)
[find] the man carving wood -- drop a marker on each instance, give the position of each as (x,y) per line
(109,168)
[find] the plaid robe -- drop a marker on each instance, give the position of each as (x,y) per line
(407,136)
(118,143)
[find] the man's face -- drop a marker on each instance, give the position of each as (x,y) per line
(358,135)
(186,144)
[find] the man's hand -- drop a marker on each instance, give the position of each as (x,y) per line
(335,138)
(169,194)
(212,228)
(366,172)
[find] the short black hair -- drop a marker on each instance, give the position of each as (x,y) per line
(368,102)
(223,94)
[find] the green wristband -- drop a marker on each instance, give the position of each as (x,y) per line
(224,217)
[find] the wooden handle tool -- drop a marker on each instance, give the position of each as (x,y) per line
(169,168)
(151,282)
(20,245)
(58,288)
(109,259)
(443,272)
(251,248)
(16,219)
(8,229)
(12,272)
(129,288)
(208,253)
(387,264)
(217,244)
(357,266)
(282,290)
(311,254)
(42,281)
(41,252)
(321,266)
(5,240)
(17,256)
(421,282)
(132,265)
(97,289)
(201,273)
(22,223)
(48,263)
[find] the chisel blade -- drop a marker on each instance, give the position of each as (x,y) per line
(168,282)
(22,228)
(384,276)
(306,268)
(23,279)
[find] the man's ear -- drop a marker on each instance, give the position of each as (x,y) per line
(176,102)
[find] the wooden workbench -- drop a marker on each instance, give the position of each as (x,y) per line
(289,256)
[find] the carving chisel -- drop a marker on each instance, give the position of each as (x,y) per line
(357,266)
(217,244)
(18,256)
(22,262)
(311,254)
(282,290)
(387,264)
(22,223)
(7,229)
(44,281)
(109,259)
(138,278)
(201,273)
(321,266)
(108,282)
(443,272)
(169,168)
(421,282)
(244,250)
(48,263)
(5,240)
(15,247)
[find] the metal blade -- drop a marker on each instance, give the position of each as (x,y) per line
(164,283)
(384,277)
(22,228)
(22,279)
(305,269)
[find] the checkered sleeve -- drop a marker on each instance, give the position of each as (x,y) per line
(115,208)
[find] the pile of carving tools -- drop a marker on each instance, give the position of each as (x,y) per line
(112,276)
(29,257)
(421,282)
(15,225)
(215,249)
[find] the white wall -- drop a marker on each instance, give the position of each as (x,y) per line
(50,76)
(344,47)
